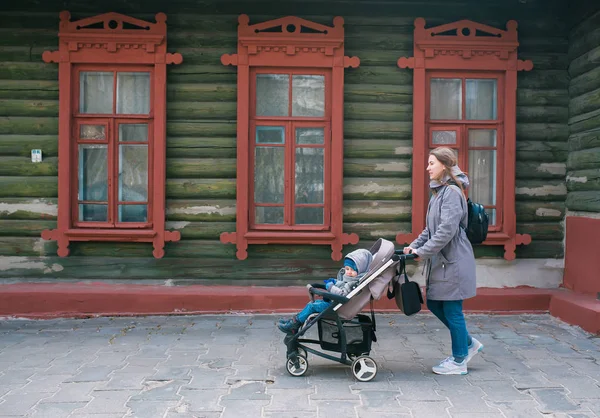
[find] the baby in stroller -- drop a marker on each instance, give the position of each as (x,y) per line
(356,265)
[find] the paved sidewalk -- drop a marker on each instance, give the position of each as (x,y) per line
(234,366)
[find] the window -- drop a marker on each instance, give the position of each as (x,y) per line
(112,131)
(464,97)
(464,113)
(290,134)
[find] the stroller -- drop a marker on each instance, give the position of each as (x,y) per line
(341,328)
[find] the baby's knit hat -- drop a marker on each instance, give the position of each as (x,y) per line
(348,262)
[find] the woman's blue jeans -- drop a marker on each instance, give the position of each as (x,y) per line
(450,312)
(319,305)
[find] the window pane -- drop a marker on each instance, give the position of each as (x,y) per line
(492,215)
(446,99)
(97,132)
(95,92)
(133,173)
(268,174)
(133,93)
(93,173)
(93,213)
(482,137)
(482,174)
(270,135)
(309,216)
(310,181)
(310,136)
(481,99)
(443,137)
(272,94)
(137,132)
(269,215)
(308,95)
(133,213)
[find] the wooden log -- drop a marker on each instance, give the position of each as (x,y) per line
(373,55)
(184,147)
(192,39)
(21,145)
(585,201)
(584,180)
(377,148)
(29,89)
(201,168)
(202,110)
(585,103)
(378,112)
(585,62)
(536,170)
(28,71)
(28,246)
(584,159)
(535,97)
(545,190)
(584,140)
(200,230)
(377,211)
(14,186)
(186,92)
(543,114)
(585,122)
(213,73)
(371,231)
(23,125)
(201,210)
(541,249)
(540,211)
(543,79)
(584,83)
(363,167)
(13,107)
(22,166)
(208,128)
(28,19)
(24,228)
(542,131)
(542,151)
(580,45)
(377,93)
(200,189)
(543,231)
(377,188)
(586,18)
(15,53)
(550,60)
(29,36)
(390,74)
(28,208)
(542,45)
(401,130)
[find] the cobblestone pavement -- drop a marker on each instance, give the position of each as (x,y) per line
(234,366)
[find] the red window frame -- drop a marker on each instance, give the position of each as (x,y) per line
(462,127)
(298,47)
(291,123)
(463,49)
(103,43)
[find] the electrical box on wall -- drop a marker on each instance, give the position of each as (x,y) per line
(36,155)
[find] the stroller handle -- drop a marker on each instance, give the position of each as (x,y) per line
(398,254)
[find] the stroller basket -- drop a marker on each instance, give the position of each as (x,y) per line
(358,332)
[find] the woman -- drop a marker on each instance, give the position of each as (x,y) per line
(449,254)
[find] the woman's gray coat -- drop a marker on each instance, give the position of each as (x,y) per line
(444,243)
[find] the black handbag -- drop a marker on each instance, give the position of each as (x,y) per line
(407,294)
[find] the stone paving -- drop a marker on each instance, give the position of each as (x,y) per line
(234,366)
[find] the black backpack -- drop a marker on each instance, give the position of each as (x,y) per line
(478,220)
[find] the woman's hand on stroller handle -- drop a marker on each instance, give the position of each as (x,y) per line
(400,254)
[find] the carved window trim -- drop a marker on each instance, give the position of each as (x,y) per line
(120,41)
(457,48)
(300,44)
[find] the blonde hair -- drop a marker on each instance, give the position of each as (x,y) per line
(448,159)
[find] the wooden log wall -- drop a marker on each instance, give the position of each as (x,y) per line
(201,145)
(583,163)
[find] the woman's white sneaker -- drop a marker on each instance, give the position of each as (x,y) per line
(449,366)
(475,348)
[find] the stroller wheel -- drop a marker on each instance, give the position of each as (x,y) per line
(364,368)
(297,365)
(302,352)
